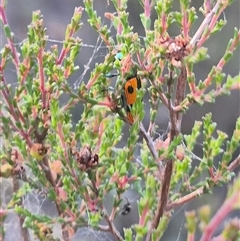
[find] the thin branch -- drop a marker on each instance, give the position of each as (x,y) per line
(198,192)
(15,111)
(235,224)
(222,212)
(41,77)
(205,23)
(234,164)
(9,39)
(162,201)
(206,98)
(152,149)
(66,156)
(163,193)
(176,120)
(162,96)
(112,227)
(180,94)
(212,24)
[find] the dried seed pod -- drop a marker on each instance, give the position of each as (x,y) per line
(86,159)
(43,231)
(6,170)
(176,49)
(38,151)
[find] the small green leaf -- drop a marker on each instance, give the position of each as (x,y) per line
(128,235)
(7,31)
(191,222)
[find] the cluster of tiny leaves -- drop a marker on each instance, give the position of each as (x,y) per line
(34,106)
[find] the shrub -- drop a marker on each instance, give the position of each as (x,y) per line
(76,166)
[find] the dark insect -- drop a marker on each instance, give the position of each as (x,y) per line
(126,208)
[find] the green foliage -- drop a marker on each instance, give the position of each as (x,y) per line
(203,221)
(83,162)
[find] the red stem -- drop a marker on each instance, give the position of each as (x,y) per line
(41,76)
(10,42)
(222,212)
(185,26)
(142,218)
(199,191)
(191,237)
(211,26)
(62,55)
(15,112)
(147,8)
(92,81)
(61,137)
